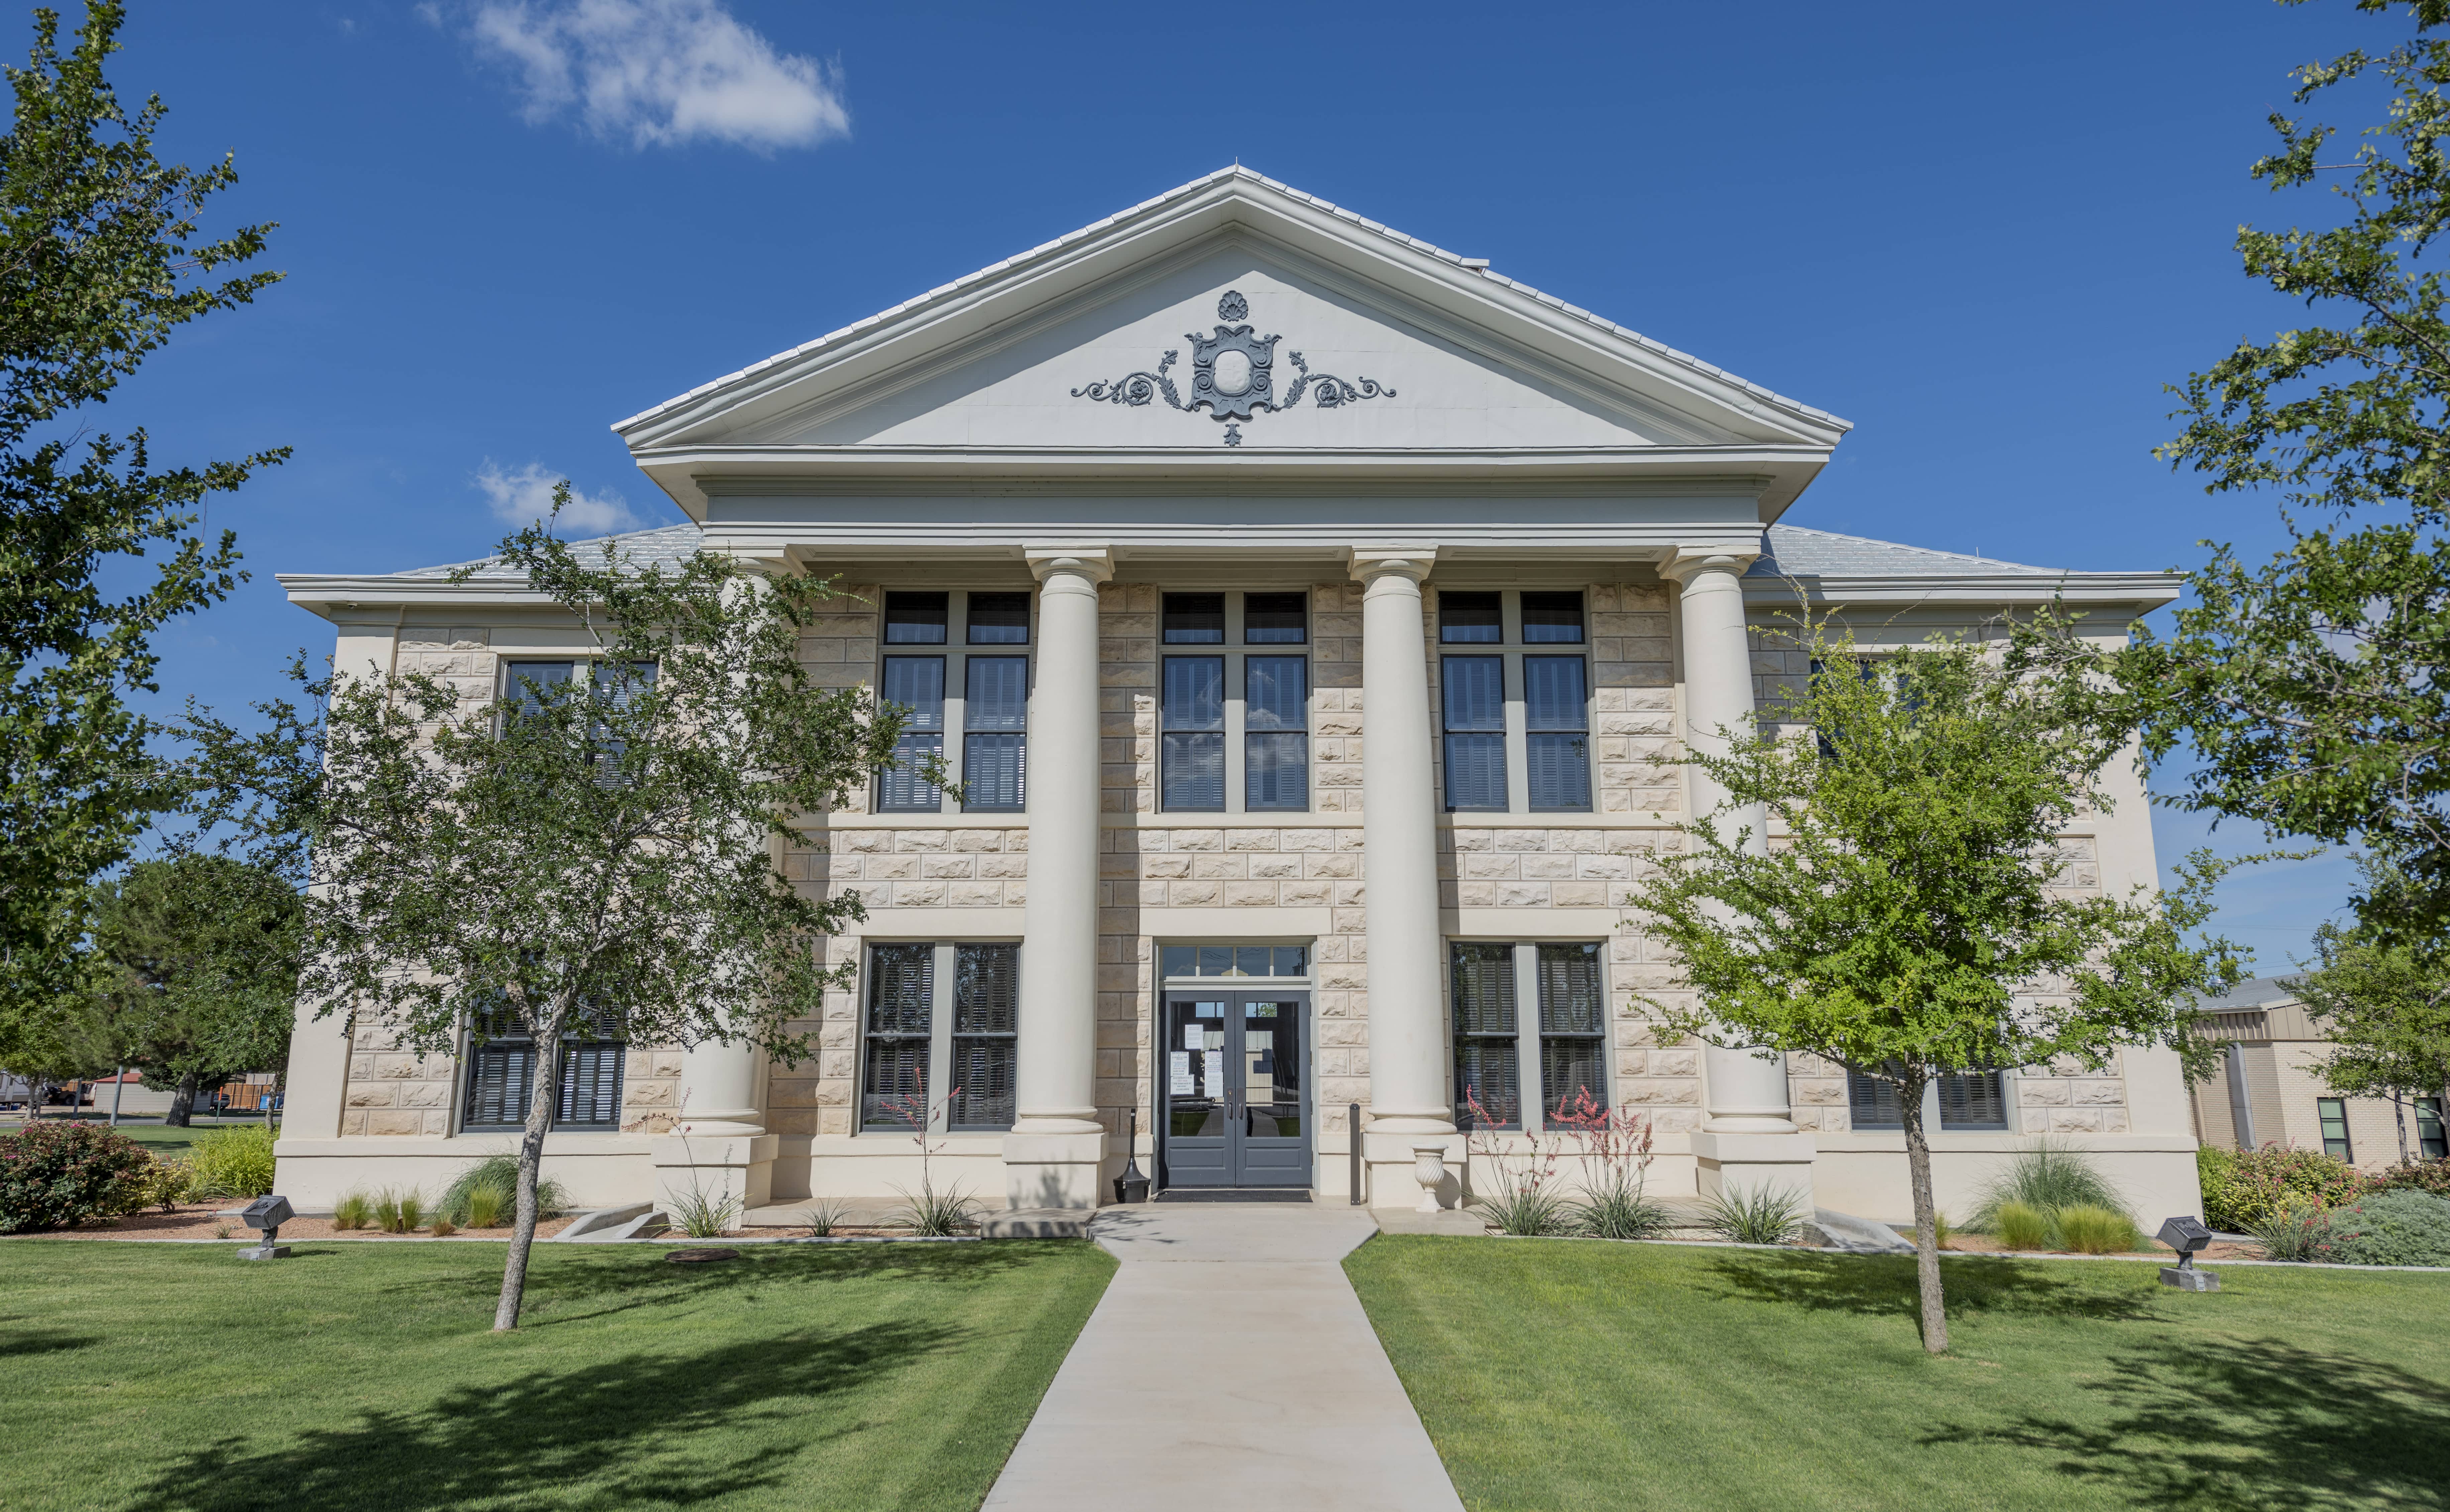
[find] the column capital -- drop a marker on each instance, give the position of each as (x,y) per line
(1404,561)
(1094,562)
(1690,562)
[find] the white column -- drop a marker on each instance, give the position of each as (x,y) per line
(720,1089)
(1051,1156)
(1744,1094)
(720,1148)
(1399,838)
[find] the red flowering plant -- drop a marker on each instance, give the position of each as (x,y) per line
(1614,1150)
(60,1175)
(1521,1168)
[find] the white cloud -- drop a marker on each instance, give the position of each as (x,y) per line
(659,72)
(526,497)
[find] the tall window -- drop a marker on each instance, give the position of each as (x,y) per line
(916,683)
(1276,717)
(941,1029)
(995,723)
(983,693)
(611,687)
(1192,757)
(2430,1143)
(1513,1077)
(1474,701)
(502,1072)
(1966,1103)
(1557,733)
(2332,1112)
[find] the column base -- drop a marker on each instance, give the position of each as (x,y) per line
(1053,1170)
(1389,1156)
(1736,1164)
(712,1168)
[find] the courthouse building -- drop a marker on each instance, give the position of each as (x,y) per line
(1302,610)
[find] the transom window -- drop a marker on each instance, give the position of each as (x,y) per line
(940,1034)
(1234,726)
(1508,1079)
(1515,722)
(984,694)
(1234,961)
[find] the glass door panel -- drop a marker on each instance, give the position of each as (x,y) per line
(1231,1086)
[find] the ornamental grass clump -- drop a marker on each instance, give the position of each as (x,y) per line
(1614,1150)
(233,1162)
(1522,1198)
(2049,1177)
(2088,1230)
(2301,1233)
(704,1217)
(58,1174)
(497,1178)
(399,1210)
(2020,1226)
(1759,1215)
(354,1210)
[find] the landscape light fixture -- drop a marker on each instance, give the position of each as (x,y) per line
(265,1216)
(2186,1236)
(1131,1186)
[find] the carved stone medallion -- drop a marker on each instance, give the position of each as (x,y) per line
(1233,376)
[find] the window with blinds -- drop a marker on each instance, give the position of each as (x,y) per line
(1275,724)
(1488,1078)
(900,1029)
(1192,758)
(1473,699)
(1573,1025)
(1969,1102)
(2430,1143)
(1557,739)
(1871,1103)
(986,1021)
(501,1083)
(995,721)
(916,684)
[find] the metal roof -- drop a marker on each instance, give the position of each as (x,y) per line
(666,546)
(1792,551)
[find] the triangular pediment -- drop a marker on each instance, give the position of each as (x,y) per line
(1318,333)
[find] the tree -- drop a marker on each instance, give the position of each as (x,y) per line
(2385,1010)
(597,849)
(1906,918)
(99,262)
(2308,685)
(196,975)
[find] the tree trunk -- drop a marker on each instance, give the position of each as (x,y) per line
(1935,1306)
(2399,1116)
(182,1104)
(540,1110)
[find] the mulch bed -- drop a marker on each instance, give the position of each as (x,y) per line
(203,1221)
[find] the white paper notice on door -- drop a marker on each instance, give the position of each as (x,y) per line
(1215,1078)
(1182,1074)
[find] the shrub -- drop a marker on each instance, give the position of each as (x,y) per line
(354,1210)
(442,1227)
(2046,1176)
(499,1174)
(59,1174)
(2097,1230)
(2020,1226)
(233,1162)
(169,1183)
(1760,1216)
(2245,1187)
(2300,1232)
(484,1208)
(2391,1229)
(2425,1175)
(400,1212)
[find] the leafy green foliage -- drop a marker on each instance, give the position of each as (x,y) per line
(100,261)
(597,850)
(1911,920)
(2421,1176)
(2301,1231)
(2386,1009)
(235,1161)
(60,1173)
(2089,1229)
(168,1181)
(2048,1175)
(2308,685)
(195,971)
(2243,1188)
(2390,1229)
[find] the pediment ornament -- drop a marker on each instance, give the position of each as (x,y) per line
(1233,376)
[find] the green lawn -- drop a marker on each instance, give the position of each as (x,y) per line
(1571,1375)
(365,1376)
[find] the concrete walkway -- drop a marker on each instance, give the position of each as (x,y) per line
(1229,1365)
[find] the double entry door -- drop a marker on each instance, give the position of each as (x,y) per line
(1236,1102)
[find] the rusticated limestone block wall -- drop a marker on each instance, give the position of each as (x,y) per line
(1633,687)
(1335,698)
(393,1090)
(816,1097)
(839,651)
(941,867)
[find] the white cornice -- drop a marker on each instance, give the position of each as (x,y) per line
(2143,590)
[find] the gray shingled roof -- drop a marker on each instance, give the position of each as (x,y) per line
(2262,992)
(1795,551)
(667,546)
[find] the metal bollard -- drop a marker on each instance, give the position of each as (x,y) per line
(1352,1140)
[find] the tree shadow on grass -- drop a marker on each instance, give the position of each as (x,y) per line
(15,1343)
(577,1285)
(1883,1286)
(636,1431)
(2228,1424)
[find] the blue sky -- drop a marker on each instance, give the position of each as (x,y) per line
(1986,235)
